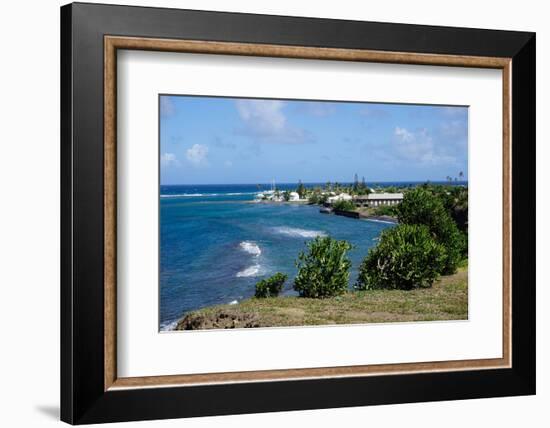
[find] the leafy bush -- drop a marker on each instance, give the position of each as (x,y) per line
(390,210)
(324,270)
(455,201)
(315,198)
(270,287)
(420,206)
(406,257)
(458,207)
(342,205)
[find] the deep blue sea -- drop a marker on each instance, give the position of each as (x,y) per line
(216,244)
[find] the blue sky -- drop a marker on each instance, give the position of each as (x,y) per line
(210,140)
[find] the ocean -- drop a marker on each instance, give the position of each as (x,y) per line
(215,244)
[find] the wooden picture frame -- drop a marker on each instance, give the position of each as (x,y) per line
(91,390)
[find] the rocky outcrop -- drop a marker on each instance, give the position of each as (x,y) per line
(221,319)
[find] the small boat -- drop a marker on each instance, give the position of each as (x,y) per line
(325,210)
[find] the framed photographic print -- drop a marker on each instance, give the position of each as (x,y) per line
(266,213)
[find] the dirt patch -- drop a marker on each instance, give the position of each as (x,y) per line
(222,319)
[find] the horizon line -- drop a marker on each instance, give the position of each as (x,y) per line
(314,182)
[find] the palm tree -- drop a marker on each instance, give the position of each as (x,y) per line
(355,182)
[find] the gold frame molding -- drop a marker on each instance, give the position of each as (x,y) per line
(113,43)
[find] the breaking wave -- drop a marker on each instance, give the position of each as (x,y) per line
(205,195)
(168,326)
(183,195)
(374,220)
(250,248)
(253,270)
(295,232)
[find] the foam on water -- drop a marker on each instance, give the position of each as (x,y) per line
(296,232)
(241,193)
(168,326)
(254,250)
(185,195)
(200,195)
(253,270)
(380,221)
(250,248)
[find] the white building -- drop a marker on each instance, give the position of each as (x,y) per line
(340,197)
(277,196)
(294,196)
(379,199)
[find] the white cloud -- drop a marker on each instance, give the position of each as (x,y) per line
(403,135)
(265,121)
(197,154)
(168,159)
(421,147)
(264,115)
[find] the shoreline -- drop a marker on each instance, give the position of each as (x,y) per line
(267,202)
(350,214)
(380,218)
(290,222)
(363,208)
(361,215)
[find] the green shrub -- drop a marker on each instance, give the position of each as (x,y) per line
(270,287)
(420,206)
(342,205)
(453,241)
(314,198)
(390,210)
(324,270)
(317,197)
(405,258)
(455,201)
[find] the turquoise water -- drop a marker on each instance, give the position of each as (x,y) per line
(216,243)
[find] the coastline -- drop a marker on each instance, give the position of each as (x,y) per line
(279,236)
(356,214)
(227,271)
(380,218)
(267,202)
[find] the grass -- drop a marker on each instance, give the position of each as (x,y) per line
(447,299)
